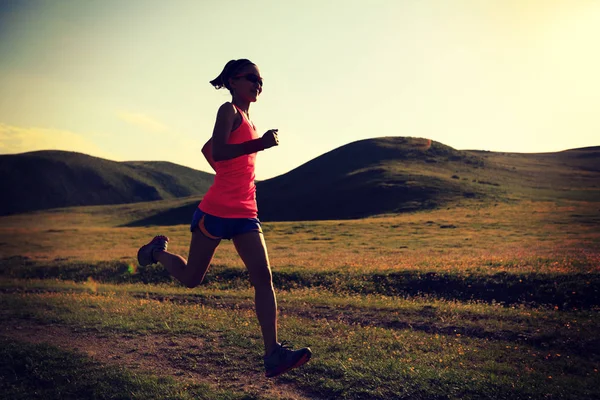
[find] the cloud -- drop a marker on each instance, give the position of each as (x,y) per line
(14,139)
(143,121)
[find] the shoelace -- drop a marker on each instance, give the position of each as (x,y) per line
(158,243)
(284,348)
(286,345)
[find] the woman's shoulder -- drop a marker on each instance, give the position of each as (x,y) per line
(228,109)
(228,112)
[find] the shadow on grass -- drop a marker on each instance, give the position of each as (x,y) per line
(30,371)
(561,291)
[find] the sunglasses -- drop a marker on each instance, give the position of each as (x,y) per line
(251,78)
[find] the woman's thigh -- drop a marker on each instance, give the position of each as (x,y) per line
(252,249)
(202,250)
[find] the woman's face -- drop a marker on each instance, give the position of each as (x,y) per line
(247,84)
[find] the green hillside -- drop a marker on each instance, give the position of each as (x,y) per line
(374,176)
(51,179)
(364,178)
(570,174)
(398,174)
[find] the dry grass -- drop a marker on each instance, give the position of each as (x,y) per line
(519,237)
(428,305)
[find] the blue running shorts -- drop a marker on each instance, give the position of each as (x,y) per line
(223,228)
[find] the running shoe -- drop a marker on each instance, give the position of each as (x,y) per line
(145,253)
(284,359)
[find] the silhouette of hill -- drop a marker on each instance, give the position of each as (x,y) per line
(399,174)
(49,179)
(368,177)
(363,178)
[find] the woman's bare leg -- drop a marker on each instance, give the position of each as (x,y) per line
(191,272)
(252,249)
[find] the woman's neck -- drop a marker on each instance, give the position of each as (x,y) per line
(242,105)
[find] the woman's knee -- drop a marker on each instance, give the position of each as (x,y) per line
(192,283)
(261,277)
(196,277)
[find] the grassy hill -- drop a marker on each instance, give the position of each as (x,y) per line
(399,174)
(364,178)
(50,179)
(374,176)
(570,174)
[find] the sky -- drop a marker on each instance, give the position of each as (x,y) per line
(129,80)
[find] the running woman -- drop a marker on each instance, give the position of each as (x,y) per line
(229,211)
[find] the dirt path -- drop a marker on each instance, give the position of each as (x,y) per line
(156,354)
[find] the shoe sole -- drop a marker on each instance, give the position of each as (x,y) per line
(301,361)
(143,258)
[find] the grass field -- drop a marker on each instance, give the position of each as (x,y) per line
(477,301)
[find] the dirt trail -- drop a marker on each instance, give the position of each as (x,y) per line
(149,353)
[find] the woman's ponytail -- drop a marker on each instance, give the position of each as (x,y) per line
(230,70)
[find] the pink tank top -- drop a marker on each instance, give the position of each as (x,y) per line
(233,192)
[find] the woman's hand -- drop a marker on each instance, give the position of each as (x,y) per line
(270,138)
